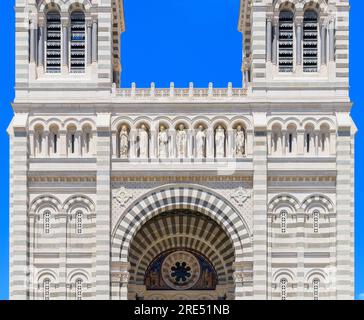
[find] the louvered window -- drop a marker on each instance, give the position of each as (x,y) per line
(53,55)
(286,41)
(310,41)
(78,42)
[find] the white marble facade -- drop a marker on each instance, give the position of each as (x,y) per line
(182,193)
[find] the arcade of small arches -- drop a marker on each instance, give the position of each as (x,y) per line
(46,212)
(202,138)
(316,210)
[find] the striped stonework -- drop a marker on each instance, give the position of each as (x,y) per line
(19,272)
(103,196)
(255,182)
(260,207)
(192,198)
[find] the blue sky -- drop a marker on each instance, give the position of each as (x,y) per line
(179,41)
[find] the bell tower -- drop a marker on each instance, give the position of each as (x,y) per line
(71,46)
(296,46)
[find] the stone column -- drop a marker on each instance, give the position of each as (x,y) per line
(45,144)
(119,280)
(269,39)
(300,142)
(190,150)
(89,42)
(331,41)
(210,144)
(299,42)
(153,147)
(323,43)
(103,206)
(243,279)
(284,142)
(275,42)
(133,143)
(32,41)
(269,142)
(63,148)
(94,40)
(65,27)
(172,148)
(260,209)
(41,40)
(230,148)
(19,264)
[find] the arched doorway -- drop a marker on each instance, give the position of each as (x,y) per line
(186,218)
(181,253)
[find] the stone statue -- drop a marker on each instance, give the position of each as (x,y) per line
(200,142)
(239,141)
(124,142)
(163,142)
(220,142)
(181,141)
(143,142)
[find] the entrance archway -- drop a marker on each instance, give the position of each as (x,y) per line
(177,218)
(181,253)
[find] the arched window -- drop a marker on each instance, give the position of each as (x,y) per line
(291,139)
(310,41)
(53,140)
(86,140)
(72,140)
(283,284)
(310,147)
(46,289)
(284,215)
(316,289)
(53,47)
(285,48)
(316,221)
(47,222)
(79,222)
(78,287)
(78,42)
(277,140)
(324,140)
(38,141)
(290,142)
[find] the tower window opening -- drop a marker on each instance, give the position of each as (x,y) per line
(286,41)
(78,42)
(72,143)
(53,47)
(290,142)
(308,137)
(310,41)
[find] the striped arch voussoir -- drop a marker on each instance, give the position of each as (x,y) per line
(318,200)
(64,5)
(173,197)
(79,200)
(45,201)
(287,200)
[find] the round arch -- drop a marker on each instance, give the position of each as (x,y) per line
(189,197)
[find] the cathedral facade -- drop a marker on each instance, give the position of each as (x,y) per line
(182,193)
